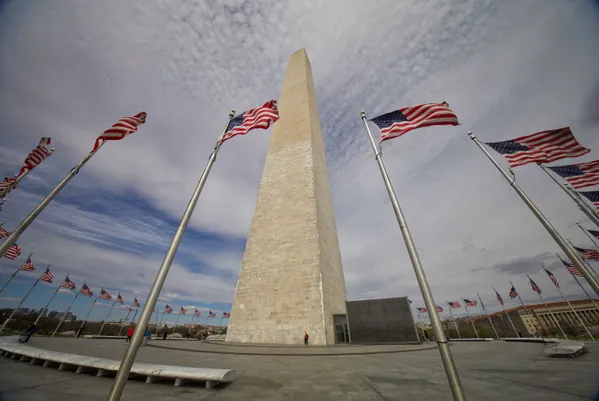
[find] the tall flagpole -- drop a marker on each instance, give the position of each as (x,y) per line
(50,301)
(471,320)
(18,179)
(578,282)
(450,368)
(14,236)
(125,322)
(551,313)
(159,323)
(12,276)
(457,329)
(571,308)
(587,264)
(593,239)
(66,313)
(19,305)
(488,317)
(88,312)
(107,316)
(508,315)
(125,368)
(176,322)
(190,327)
(533,313)
(591,214)
(570,253)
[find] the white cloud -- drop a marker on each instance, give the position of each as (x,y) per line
(507,70)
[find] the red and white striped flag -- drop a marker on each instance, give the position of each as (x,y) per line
(589,254)
(579,175)
(552,277)
(470,303)
(125,126)
(84,290)
(119,299)
(3,232)
(67,283)
(47,276)
(211,314)
(135,304)
(168,309)
(572,269)
(28,265)
(454,305)
(399,122)
(37,155)
(105,295)
(542,147)
(439,309)
(422,310)
(182,311)
(197,313)
(260,117)
(593,196)
(13,252)
(226,315)
(9,183)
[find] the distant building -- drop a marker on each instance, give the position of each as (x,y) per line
(53,314)
(23,311)
(533,320)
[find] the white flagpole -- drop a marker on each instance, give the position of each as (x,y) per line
(159,324)
(107,316)
(13,275)
(572,308)
(471,320)
(50,301)
(67,312)
(579,284)
(125,368)
(450,368)
(88,312)
(533,313)
(125,322)
(591,214)
(14,236)
(488,317)
(19,305)
(176,322)
(508,315)
(570,253)
(5,192)
(593,239)
(587,264)
(551,313)
(192,319)
(457,329)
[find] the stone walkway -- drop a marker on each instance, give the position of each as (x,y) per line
(489,371)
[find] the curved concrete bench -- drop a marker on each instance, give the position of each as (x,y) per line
(10,347)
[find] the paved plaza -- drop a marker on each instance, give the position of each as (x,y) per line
(489,371)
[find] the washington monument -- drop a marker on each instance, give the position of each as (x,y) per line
(291,278)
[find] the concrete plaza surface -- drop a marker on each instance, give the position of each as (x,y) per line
(489,371)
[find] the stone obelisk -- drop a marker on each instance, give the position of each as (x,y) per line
(291,278)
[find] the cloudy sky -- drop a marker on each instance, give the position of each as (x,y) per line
(70,69)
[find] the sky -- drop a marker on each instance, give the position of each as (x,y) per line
(69,70)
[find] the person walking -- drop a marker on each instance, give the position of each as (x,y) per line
(426,336)
(129,334)
(28,333)
(147,335)
(306,337)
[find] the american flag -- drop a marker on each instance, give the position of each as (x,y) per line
(227,315)
(168,309)
(454,305)
(197,313)
(260,117)
(84,290)
(579,175)
(211,314)
(469,302)
(439,309)
(37,155)
(552,277)
(399,122)
(593,196)
(105,295)
(182,311)
(422,310)
(534,286)
(125,126)
(119,299)
(3,232)
(594,233)
(572,269)
(542,147)
(513,292)
(499,298)
(135,303)
(9,183)
(589,254)
(28,265)
(67,283)
(13,252)
(47,276)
